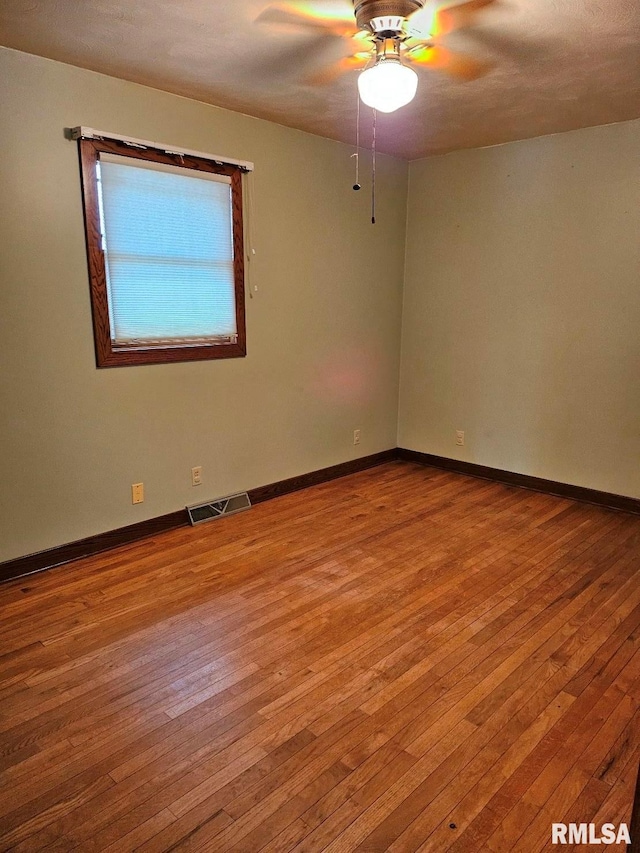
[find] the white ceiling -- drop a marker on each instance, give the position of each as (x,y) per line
(559,65)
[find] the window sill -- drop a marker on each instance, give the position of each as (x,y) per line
(124,357)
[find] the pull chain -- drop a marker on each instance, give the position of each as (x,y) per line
(373,171)
(357,185)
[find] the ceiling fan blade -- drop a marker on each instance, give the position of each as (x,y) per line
(291,16)
(433,20)
(325,76)
(422,23)
(455,64)
(451,18)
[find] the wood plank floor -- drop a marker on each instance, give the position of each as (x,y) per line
(401,660)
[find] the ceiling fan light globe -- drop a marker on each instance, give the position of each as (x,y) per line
(387,86)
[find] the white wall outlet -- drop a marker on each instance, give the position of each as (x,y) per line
(137,493)
(356,436)
(460,437)
(196,475)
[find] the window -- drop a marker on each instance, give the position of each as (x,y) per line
(165,254)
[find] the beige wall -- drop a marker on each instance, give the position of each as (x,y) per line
(522,308)
(323,328)
(521,315)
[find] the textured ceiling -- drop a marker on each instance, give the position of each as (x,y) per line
(558,65)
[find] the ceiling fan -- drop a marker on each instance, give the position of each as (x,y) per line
(388,38)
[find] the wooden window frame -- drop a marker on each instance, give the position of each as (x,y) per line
(109,354)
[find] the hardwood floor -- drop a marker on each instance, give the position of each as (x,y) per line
(402,660)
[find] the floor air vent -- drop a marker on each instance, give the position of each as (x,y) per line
(219,507)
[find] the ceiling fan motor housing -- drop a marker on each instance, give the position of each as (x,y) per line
(368,11)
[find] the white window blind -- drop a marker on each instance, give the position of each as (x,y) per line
(168,243)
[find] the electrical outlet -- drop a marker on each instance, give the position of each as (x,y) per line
(137,493)
(460,437)
(356,436)
(196,475)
